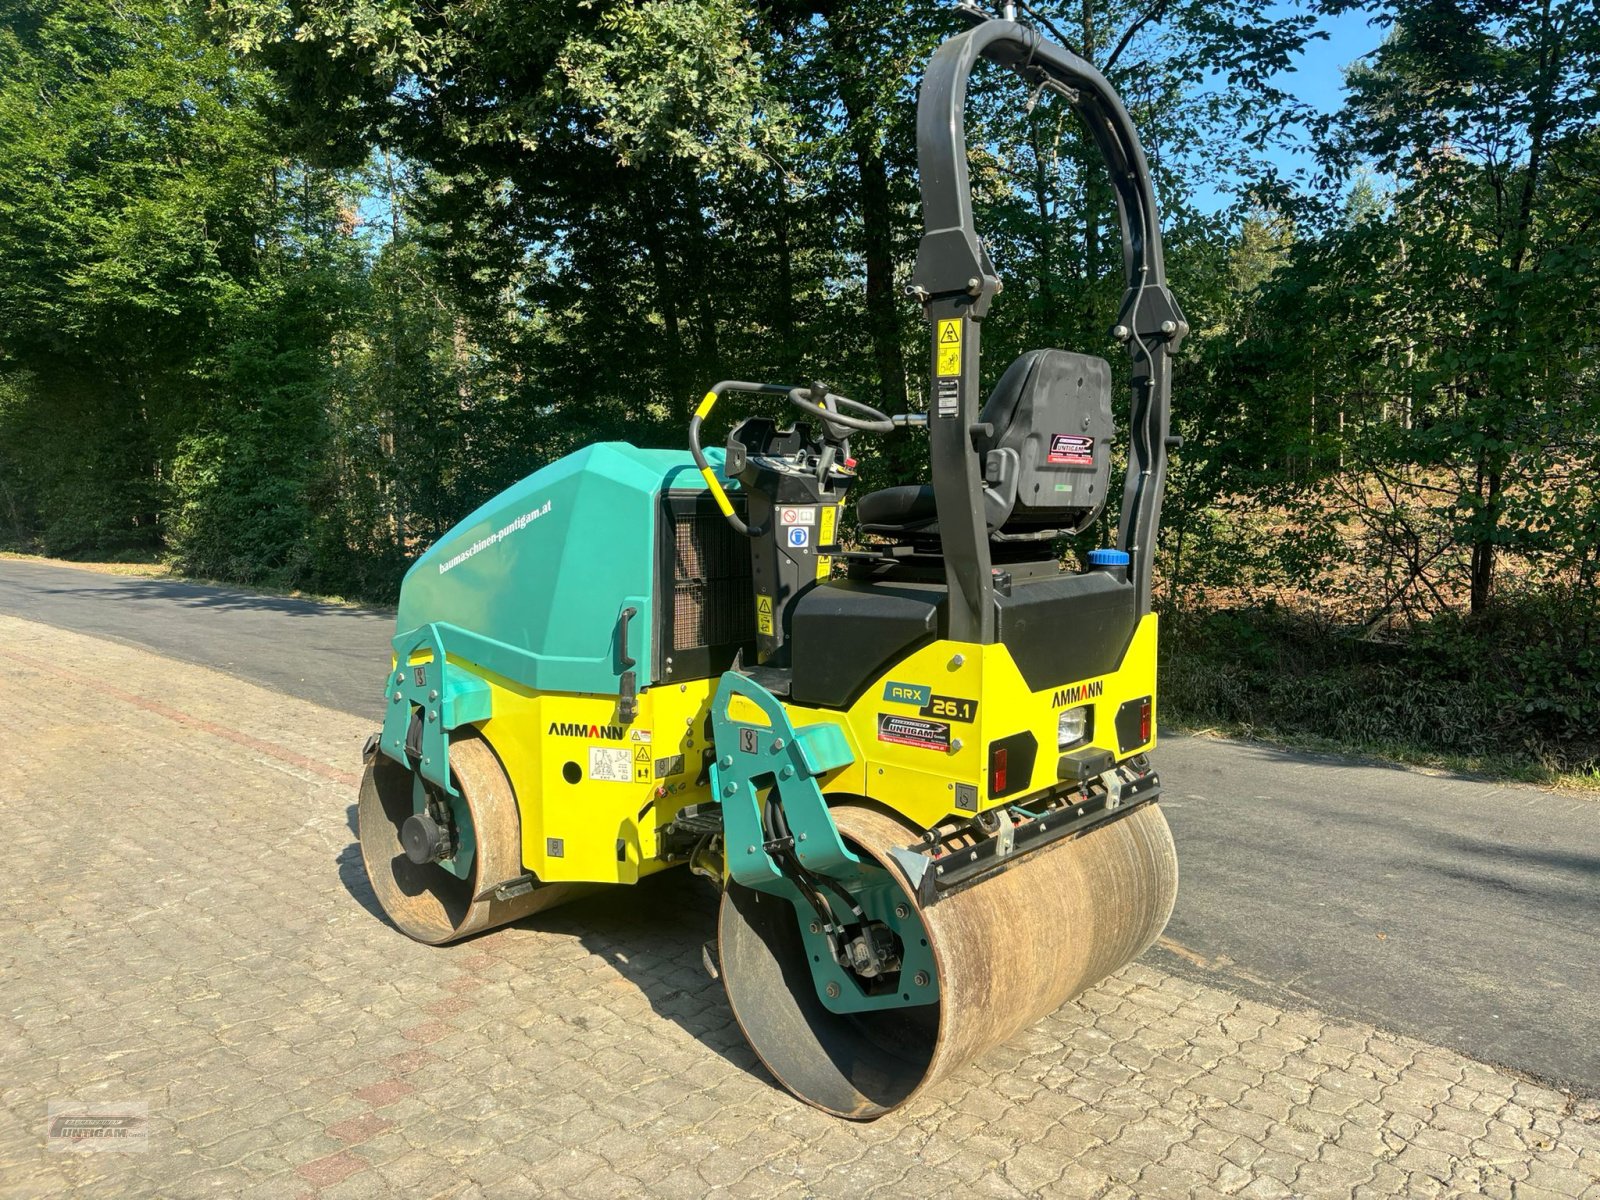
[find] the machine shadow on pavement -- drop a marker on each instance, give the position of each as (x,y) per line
(353,874)
(651,935)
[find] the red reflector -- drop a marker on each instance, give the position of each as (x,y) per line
(850,464)
(1144,722)
(997,773)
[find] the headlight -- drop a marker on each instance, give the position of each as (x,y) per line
(1072,726)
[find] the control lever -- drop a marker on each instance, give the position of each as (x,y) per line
(825,462)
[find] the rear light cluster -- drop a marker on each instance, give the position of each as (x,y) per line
(1135,723)
(1011,762)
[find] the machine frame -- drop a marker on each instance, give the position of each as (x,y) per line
(955,281)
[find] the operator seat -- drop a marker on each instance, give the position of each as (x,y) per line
(1046,456)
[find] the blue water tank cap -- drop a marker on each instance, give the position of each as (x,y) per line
(1108,558)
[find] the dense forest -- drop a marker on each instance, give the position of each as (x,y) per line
(288,286)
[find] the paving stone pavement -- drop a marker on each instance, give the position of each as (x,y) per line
(185,922)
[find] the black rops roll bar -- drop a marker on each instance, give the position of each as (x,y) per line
(955,281)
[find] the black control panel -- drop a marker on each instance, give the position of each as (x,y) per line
(794,482)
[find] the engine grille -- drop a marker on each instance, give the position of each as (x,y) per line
(711,597)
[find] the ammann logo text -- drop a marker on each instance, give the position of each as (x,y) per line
(604,733)
(1078,693)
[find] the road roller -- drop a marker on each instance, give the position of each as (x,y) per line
(916,761)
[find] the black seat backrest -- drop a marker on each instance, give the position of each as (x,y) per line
(1052,428)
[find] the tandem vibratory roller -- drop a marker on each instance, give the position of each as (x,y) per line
(919,770)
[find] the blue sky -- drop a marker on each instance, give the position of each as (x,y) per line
(1318,77)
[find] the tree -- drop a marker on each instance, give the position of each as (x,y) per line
(1486,113)
(131,177)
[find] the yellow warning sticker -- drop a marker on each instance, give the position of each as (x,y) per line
(825,533)
(950,347)
(764,614)
(641,754)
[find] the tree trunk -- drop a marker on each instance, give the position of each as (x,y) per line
(877,227)
(1177,560)
(1093,191)
(877,217)
(1044,247)
(704,255)
(783,302)
(1493,461)
(655,248)
(1490,476)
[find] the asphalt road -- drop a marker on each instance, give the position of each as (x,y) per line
(319,652)
(1450,909)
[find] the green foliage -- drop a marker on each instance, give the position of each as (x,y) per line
(130,169)
(1524,686)
(1420,366)
(245,482)
(675,79)
(288,286)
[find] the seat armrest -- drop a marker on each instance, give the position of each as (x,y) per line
(1002,470)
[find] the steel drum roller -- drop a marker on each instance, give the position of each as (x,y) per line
(424,901)
(1010,949)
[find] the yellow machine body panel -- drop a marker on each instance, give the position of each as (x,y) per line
(981,696)
(592,794)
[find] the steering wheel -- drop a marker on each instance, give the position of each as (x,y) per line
(817,401)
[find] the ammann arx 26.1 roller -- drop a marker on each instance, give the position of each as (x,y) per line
(918,770)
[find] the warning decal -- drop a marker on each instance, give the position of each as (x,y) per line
(1069,449)
(608,765)
(950,347)
(799,537)
(797,516)
(764,614)
(913,731)
(830,517)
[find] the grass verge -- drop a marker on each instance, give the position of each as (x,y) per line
(1514,697)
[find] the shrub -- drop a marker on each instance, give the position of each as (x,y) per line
(1523,682)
